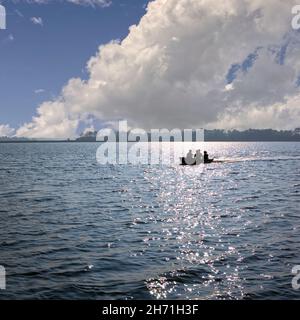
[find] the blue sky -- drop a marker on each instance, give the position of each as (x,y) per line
(37,60)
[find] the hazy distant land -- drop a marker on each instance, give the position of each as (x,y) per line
(209,136)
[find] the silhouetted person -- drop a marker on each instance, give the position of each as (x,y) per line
(189,159)
(206,157)
(199,157)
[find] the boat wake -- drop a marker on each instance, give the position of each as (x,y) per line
(254,159)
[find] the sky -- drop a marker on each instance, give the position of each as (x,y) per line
(45,45)
(75,64)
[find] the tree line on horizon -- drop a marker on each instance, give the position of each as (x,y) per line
(226,135)
(209,135)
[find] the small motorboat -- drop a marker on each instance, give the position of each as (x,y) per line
(184,163)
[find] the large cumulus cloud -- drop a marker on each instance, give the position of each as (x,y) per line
(188,63)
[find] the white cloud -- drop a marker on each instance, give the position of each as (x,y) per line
(37,20)
(284,115)
(52,121)
(9,39)
(6,130)
(38,91)
(19,13)
(171,69)
(93,3)
(89,129)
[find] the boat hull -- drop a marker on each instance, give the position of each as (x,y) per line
(184,163)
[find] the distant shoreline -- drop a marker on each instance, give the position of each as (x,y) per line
(216,135)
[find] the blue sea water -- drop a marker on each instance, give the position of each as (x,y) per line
(73,229)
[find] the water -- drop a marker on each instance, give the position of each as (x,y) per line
(72,229)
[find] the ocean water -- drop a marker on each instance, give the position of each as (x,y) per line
(73,229)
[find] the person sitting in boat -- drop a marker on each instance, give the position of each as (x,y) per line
(189,159)
(199,157)
(206,157)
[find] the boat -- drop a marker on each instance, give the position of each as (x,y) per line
(184,163)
